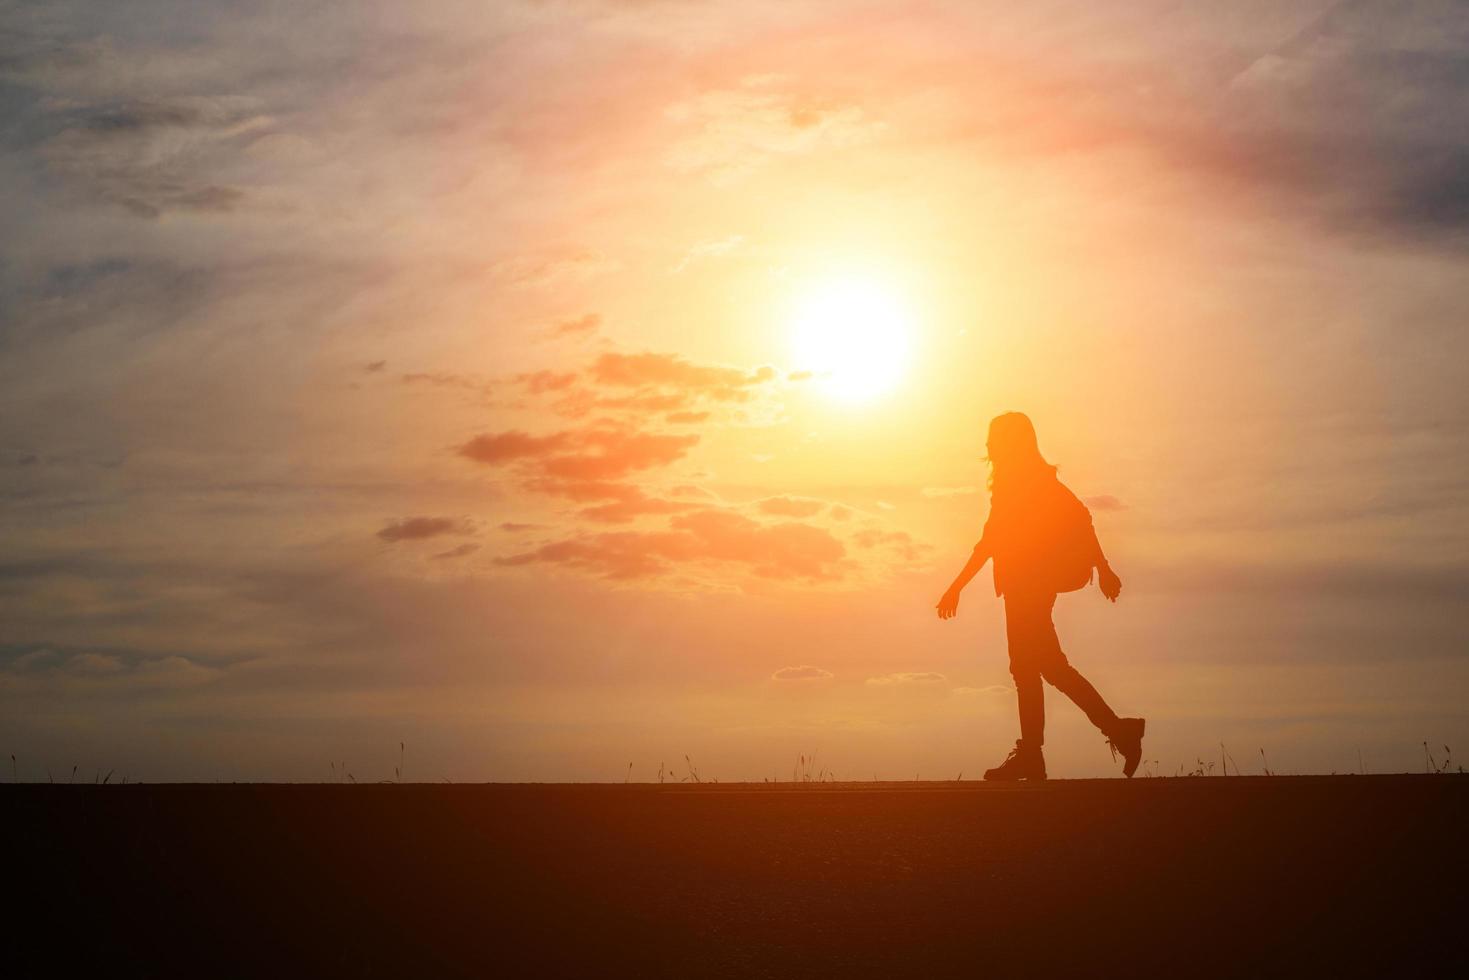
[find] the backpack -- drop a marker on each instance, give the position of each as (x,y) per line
(1044,540)
(1072,551)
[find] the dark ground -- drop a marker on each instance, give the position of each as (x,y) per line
(1242,876)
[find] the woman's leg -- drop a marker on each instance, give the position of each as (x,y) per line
(1056,669)
(1027,621)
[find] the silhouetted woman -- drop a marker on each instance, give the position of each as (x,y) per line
(1042,541)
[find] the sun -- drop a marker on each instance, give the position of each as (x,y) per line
(853,335)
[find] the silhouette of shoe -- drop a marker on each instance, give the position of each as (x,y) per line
(1023,762)
(1127,739)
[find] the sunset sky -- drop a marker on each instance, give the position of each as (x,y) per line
(556,386)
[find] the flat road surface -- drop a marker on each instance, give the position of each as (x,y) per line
(1232,876)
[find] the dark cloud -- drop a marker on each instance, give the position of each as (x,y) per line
(373,367)
(146,155)
(419,528)
(462,551)
(1356,121)
(514,527)
(505,447)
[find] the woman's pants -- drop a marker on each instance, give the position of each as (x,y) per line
(1035,653)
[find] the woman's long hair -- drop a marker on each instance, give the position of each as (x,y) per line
(1014,454)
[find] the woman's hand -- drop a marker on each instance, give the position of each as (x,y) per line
(1108,582)
(948,604)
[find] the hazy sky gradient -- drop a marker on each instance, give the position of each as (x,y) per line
(423,373)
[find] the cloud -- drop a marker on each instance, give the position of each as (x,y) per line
(505,447)
(634,505)
(788,550)
(980,691)
(514,527)
(670,370)
(900,541)
(635,387)
(1328,103)
(540,382)
(909,679)
(730,132)
(616,453)
(579,456)
(949,491)
(442,379)
(78,674)
(690,490)
(611,449)
(94,663)
(420,528)
(1104,501)
(149,156)
(554,265)
(805,672)
(462,551)
(791,506)
(708,250)
(579,327)
(373,367)
(584,490)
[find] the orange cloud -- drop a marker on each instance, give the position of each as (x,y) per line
(581,326)
(900,541)
(651,369)
(538,382)
(595,453)
(617,453)
(788,550)
(634,505)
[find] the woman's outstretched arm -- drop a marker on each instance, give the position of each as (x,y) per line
(948,604)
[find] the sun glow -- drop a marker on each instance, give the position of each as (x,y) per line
(853,335)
